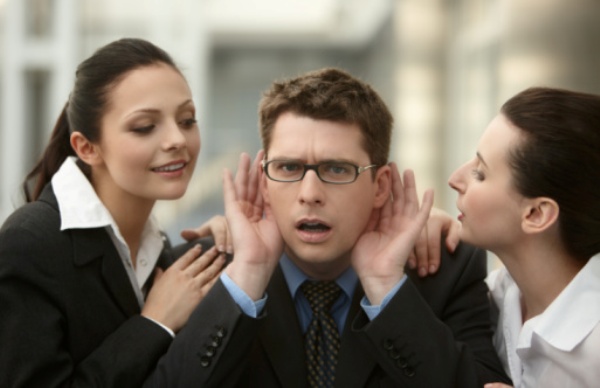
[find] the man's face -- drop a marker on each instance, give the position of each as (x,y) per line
(320,222)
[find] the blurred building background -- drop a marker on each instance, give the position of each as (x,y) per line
(443,66)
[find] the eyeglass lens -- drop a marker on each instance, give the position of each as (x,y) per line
(291,170)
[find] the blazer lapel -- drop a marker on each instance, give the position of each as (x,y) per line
(354,364)
(95,244)
(281,335)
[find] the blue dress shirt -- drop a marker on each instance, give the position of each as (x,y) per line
(294,278)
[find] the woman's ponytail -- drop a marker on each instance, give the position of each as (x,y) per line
(58,149)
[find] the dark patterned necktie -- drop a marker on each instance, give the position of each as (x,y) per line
(322,339)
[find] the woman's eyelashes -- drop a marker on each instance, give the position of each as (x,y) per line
(142,130)
(187,123)
(477,174)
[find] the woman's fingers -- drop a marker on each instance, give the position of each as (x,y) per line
(158,273)
(208,285)
(207,267)
(188,257)
(202,262)
(216,227)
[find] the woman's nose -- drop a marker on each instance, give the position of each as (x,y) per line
(456,180)
(174,139)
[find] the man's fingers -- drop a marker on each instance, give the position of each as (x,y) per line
(259,203)
(229,195)
(374,219)
(397,189)
(253,177)
(241,177)
(421,253)
(411,199)
(426,205)
(421,219)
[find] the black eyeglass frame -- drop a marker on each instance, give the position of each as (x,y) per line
(315,168)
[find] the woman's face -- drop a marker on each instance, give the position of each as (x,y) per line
(489,205)
(149,139)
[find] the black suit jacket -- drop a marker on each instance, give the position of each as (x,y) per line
(69,315)
(435,332)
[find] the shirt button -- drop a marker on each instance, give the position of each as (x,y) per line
(143,262)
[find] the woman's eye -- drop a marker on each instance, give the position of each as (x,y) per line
(477,174)
(143,130)
(188,123)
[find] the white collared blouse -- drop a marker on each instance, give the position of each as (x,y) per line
(561,346)
(80,208)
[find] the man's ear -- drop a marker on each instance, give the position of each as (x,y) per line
(540,214)
(383,183)
(85,150)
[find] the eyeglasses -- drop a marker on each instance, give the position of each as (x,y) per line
(338,173)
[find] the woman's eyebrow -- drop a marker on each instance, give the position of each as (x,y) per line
(481,159)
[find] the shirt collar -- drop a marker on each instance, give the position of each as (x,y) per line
(576,308)
(79,205)
(295,277)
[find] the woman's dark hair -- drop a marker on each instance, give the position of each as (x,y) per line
(87,103)
(559,158)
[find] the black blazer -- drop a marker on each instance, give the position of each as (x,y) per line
(435,332)
(69,315)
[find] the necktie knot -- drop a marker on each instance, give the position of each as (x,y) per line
(321,295)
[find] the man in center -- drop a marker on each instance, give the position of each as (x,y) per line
(318,293)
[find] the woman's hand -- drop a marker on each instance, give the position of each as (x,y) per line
(426,254)
(177,291)
(217,228)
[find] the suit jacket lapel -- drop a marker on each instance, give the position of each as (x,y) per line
(354,364)
(95,244)
(281,335)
